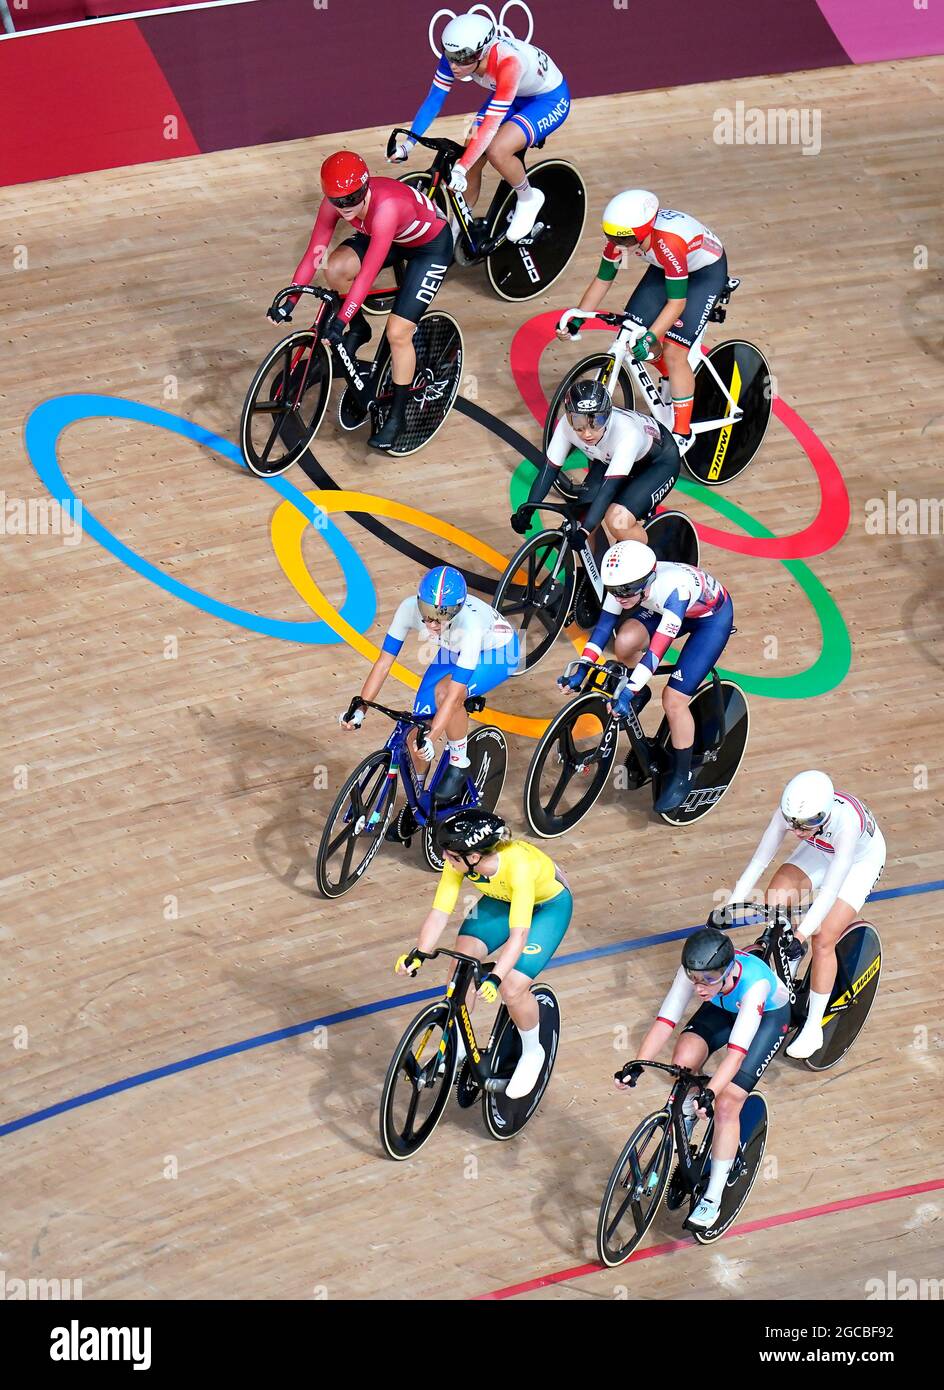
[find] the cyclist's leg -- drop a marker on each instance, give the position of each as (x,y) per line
(427,698)
(705,641)
(341,268)
(705,1032)
(704,288)
(535,118)
(423,275)
(549,923)
(494,666)
(649,484)
(633,635)
(483,933)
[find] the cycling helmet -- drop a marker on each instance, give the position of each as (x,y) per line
(441,594)
(470,830)
(631,214)
(465,37)
(345,179)
(707,950)
(807,800)
(590,402)
(628,568)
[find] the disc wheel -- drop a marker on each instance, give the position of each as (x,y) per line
(285,404)
(505,1118)
(488,764)
(356,825)
(535,594)
(720,455)
(859,961)
(418,1082)
(635,1189)
(521,270)
(743,1175)
(570,766)
(713,768)
(440,353)
(673,537)
(572,474)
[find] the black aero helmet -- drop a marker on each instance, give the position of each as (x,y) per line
(470,830)
(590,399)
(707,950)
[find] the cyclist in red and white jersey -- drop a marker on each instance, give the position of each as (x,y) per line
(390,221)
(841,855)
(688,272)
(531,99)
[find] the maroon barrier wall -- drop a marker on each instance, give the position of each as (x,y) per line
(283,69)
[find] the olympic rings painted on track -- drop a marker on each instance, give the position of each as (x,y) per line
(288,526)
(832,518)
(43,429)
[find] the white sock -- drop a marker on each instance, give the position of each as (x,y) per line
(457,752)
(817,1008)
(720,1168)
(530,1040)
(524,190)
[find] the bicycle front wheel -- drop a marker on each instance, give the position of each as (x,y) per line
(635,1189)
(418,1082)
(598,367)
(536,593)
(570,766)
(356,825)
(285,404)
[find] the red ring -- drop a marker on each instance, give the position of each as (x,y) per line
(830,522)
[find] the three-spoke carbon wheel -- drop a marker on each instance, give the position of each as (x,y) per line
(635,1189)
(536,593)
(356,825)
(285,404)
(418,1082)
(570,766)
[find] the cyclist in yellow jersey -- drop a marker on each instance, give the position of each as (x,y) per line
(520,921)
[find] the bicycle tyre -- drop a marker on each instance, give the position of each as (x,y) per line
(375,766)
(520,271)
(543,819)
(607,1253)
(397,1142)
(527,598)
(258,460)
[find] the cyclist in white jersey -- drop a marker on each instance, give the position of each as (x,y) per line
(473,649)
(841,855)
(531,99)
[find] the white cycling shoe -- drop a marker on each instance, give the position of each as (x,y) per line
(526,1074)
(704,1215)
(807,1041)
(525,215)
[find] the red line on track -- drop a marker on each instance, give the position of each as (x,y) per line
(765,1223)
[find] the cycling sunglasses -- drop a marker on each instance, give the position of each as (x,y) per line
(629,590)
(809,823)
(581,420)
(349,200)
(701,977)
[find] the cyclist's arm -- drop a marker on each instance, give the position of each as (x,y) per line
(427,938)
(603,631)
(382,229)
(396,635)
(376,676)
(447,894)
(325,223)
(844,846)
(507,73)
(671,1010)
(660,642)
(558,450)
(442,85)
(769,844)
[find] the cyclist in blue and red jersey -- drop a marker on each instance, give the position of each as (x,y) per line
(649,604)
(688,271)
(390,221)
(531,99)
(745,1007)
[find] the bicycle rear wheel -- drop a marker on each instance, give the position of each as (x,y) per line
(488,763)
(635,1189)
(571,476)
(440,353)
(859,960)
(521,270)
(743,1175)
(285,404)
(505,1118)
(570,766)
(672,536)
(721,454)
(714,768)
(535,594)
(418,1082)
(356,825)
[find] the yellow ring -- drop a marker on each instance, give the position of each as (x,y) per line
(288,527)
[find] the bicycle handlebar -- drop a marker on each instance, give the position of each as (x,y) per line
(479,967)
(697,1078)
(399,716)
(440,146)
(771,914)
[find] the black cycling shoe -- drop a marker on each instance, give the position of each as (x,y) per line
(358,334)
(452,783)
(387,435)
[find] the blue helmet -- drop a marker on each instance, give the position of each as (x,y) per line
(441,594)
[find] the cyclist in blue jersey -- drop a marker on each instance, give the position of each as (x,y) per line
(475,650)
(743,1005)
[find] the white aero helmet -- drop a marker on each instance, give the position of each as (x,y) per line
(465,36)
(807,800)
(628,568)
(630,214)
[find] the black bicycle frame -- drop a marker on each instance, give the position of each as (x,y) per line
(685,1080)
(468,971)
(330,304)
(447,152)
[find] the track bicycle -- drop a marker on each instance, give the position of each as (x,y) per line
(572,761)
(422,1070)
(640,1177)
(858,972)
(361,816)
(733,397)
(288,395)
(552,581)
(516,270)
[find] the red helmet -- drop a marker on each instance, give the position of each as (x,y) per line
(345,178)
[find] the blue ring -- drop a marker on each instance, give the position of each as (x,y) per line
(43,429)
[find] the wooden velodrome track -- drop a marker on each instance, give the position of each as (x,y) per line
(166,773)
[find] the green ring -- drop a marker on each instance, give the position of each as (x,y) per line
(831,666)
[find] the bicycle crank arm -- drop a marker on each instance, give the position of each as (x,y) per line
(497,1085)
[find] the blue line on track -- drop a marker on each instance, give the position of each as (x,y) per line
(376,1007)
